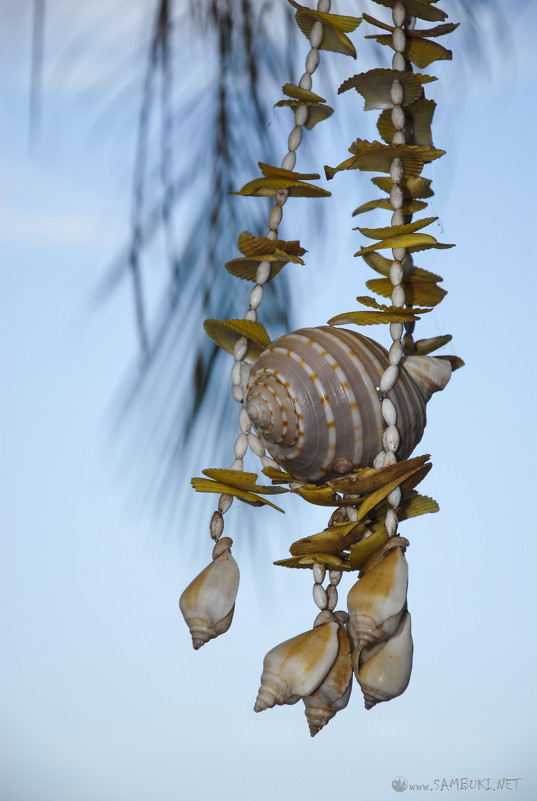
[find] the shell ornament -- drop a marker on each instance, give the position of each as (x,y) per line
(333,416)
(313,399)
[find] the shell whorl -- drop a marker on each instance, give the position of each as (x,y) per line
(312,397)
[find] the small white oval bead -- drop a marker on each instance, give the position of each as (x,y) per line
(396,92)
(319,596)
(389,412)
(324,6)
(394,498)
(216,525)
(237,393)
(352,513)
(399,41)
(281,196)
(224,502)
(266,461)
(398,217)
(331,597)
(398,14)
(396,276)
(319,572)
(295,138)
(312,59)
(398,138)
(316,33)
(301,115)
(398,118)
(251,314)
(323,617)
(275,217)
(391,439)
(396,330)
(256,296)
(379,460)
(335,575)
(272,235)
(244,421)
(241,445)
(390,459)
(238,465)
(398,62)
(236,374)
(240,348)
(398,253)
(390,523)
(396,197)
(395,354)
(305,82)
(389,377)
(256,446)
(289,161)
(397,171)
(398,296)
(263,272)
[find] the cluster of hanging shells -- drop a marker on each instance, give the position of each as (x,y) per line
(320,404)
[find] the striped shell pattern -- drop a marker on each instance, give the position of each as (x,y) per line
(312,397)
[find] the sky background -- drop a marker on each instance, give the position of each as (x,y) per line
(103,698)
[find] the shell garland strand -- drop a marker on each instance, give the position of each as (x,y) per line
(332,415)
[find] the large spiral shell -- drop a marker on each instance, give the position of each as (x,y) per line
(312,398)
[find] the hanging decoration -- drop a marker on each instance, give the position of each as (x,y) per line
(332,415)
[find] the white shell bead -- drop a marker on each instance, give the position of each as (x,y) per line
(389,412)
(275,216)
(352,514)
(237,394)
(394,498)
(237,464)
(390,523)
(305,81)
(324,6)
(251,314)
(396,329)
(301,115)
(396,92)
(390,439)
(398,118)
(256,296)
(295,138)
(319,572)
(331,597)
(316,35)
(389,377)
(399,40)
(397,171)
(266,461)
(396,197)
(263,270)
(288,163)
(398,14)
(398,253)
(256,445)
(335,575)
(398,138)
(224,502)
(398,295)
(395,354)
(312,59)
(398,217)
(244,421)
(379,460)
(241,445)
(396,276)
(398,62)
(240,348)
(319,596)
(217,525)
(236,373)
(390,458)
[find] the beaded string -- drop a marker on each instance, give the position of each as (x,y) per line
(240,372)
(400,266)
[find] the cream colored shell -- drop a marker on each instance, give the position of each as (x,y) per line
(312,397)
(386,674)
(208,603)
(334,692)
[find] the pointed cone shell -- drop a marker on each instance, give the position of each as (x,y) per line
(378,600)
(334,692)
(429,373)
(208,602)
(296,667)
(386,674)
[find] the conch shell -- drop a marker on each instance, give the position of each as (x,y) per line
(334,692)
(296,667)
(377,601)
(208,602)
(386,673)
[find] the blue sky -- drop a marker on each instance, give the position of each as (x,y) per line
(103,697)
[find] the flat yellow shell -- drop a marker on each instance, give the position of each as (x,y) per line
(331,561)
(408,207)
(417,291)
(335,26)
(420,52)
(240,480)
(423,9)
(396,230)
(420,113)
(425,346)
(226,333)
(412,187)
(375,87)
(369,479)
(207,485)
(332,540)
